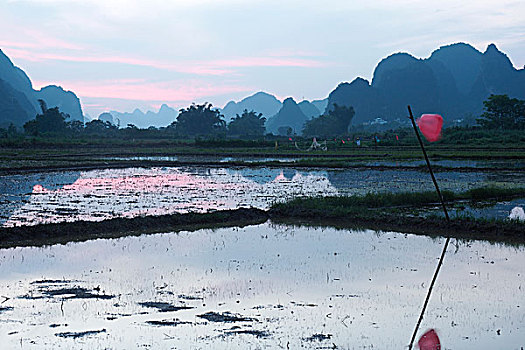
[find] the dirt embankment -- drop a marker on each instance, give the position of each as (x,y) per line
(61,233)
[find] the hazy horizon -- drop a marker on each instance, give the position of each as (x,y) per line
(122,55)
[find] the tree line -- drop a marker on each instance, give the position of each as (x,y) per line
(194,121)
(500,113)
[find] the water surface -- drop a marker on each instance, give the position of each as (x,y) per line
(278,285)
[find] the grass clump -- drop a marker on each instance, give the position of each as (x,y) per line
(335,205)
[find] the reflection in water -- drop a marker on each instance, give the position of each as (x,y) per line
(16,190)
(260,287)
(517,213)
(488,210)
(100,194)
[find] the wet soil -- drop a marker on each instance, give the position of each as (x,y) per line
(164,307)
(225,317)
(75,335)
(171,323)
(47,289)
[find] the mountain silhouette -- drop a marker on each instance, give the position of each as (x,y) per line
(66,101)
(260,102)
(320,104)
(309,109)
(15,108)
(454,81)
(19,101)
(290,115)
(164,117)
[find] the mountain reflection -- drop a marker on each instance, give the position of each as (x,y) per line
(103,194)
(16,190)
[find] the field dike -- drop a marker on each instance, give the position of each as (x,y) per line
(400,212)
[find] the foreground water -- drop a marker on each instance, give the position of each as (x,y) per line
(101,194)
(260,287)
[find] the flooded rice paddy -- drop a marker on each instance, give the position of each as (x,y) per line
(100,194)
(260,287)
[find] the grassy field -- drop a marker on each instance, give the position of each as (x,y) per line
(18,155)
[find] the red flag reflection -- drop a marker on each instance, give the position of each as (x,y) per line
(429,341)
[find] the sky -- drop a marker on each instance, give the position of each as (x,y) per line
(127,54)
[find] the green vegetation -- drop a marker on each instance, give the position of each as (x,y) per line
(50,121)
(401,212)
(503,113)
(199,120)
(249,124)
(500,126)
(340,205)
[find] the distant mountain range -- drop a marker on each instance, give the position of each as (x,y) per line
(277,114)
(454,81)
(260,102)
(164,117)
(19,101)
(290,115)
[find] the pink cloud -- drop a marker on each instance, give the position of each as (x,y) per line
(268,62)
(216,67)
(139,90)
(180,67)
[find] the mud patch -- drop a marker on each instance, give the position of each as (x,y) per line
(303,304)
(172,323)
(53,282)
(6,308)
(225,317)
(76,335)
(66,293)
(252,332)
(190,297)
(55,325)
(318,337)
(164,307)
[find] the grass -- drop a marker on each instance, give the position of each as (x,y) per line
(340,204)
(398,212)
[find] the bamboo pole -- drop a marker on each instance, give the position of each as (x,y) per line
(447,241)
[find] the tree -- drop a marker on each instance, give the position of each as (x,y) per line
(334,124)
(50,121)
(248,124)
(200,120)
(76,126)
(502,112)
(99,127)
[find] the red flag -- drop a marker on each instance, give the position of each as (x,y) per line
(429,341)
(397,137)
(430,125)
